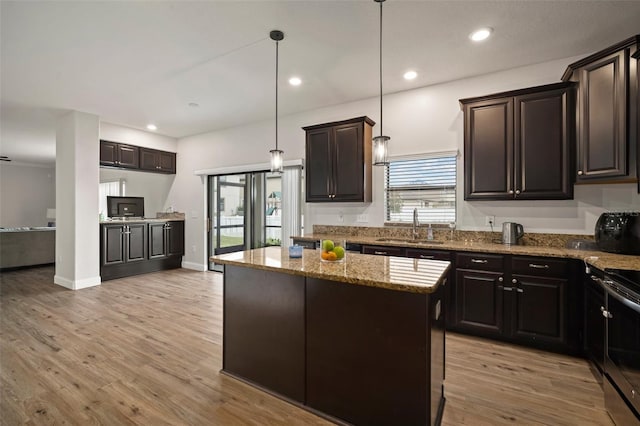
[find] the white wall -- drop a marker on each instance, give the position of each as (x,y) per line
(428,119)
(26,192)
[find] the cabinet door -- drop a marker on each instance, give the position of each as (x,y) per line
(348,170)
(488,150)
(112,244)
(167,162)
(157,240)
(318,165)
(128,156)
(136,242)
(542,145)
(602,138)
(108,153)
(479,302)
(148,159)
(175,238)
(539,314)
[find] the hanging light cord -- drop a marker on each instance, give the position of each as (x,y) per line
(381,68)
(277,43)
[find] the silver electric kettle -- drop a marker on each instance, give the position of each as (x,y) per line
(511,232)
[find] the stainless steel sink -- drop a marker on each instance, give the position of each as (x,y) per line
(408,240)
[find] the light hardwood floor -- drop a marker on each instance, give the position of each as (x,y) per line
(147,350)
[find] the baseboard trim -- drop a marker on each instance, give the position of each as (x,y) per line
(195,266)
(77,284)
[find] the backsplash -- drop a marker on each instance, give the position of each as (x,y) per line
(445,234)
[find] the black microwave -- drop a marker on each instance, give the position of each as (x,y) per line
(618,232)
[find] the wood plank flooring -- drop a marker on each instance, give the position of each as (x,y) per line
(147,350)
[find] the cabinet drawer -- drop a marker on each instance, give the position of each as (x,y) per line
(428,254)
(384,250)
(481,261)
(540,266)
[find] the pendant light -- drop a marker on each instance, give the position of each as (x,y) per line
(380,142)
(277,159)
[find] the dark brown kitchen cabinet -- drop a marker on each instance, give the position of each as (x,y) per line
(518,144)
(338,161)
(123,243)
(520,299)
(384,250)
(157,161)
(607,125)
(140,247)
(118,155)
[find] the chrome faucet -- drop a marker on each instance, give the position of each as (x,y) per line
(415,224)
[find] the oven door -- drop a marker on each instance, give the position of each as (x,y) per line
(622,363)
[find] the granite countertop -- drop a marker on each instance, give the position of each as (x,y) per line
(599,259)
(137,220)
(393,273)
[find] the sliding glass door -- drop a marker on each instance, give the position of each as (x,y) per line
(245,212)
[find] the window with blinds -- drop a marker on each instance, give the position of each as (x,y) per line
(427,184)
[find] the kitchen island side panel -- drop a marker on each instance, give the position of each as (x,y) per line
(368,354)
(264,329)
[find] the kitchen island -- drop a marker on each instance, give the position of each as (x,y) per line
(358,342)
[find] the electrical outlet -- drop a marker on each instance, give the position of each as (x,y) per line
(490,220)
(193,248)
(363,218)
(340,217)
(194,214)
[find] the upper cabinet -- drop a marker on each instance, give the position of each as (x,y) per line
(157,161)
(338,161)
(518,145)
(607,121)
(114,154)
(118,155)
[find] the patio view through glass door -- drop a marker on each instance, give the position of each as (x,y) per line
(244,212)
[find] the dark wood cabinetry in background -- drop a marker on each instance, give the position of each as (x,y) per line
(119,155)
(521,299)
(123,156)
(607,125)
(123,243)
(157,161)
(517,145)
(338,161)
(140,247)
(384,250)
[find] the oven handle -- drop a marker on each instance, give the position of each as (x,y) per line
(628,303)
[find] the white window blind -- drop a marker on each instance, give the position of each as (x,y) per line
(426,184)
(109,188)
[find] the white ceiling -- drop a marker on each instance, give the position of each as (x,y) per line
(132,63)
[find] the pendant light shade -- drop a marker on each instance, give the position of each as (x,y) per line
(380,143)
(277,155)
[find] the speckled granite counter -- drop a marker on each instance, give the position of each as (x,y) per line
(393,273)
(599,259)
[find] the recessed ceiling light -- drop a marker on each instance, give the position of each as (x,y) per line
(410,75)
(152,127)
(194,104)
(481,34)
(295,81)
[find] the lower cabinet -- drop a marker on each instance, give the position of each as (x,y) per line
(594,323)
(384,250)
(137,248)
(516,298)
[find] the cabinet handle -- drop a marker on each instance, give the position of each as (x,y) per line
(506,288)
(579,172)
(517,191)
(519,290)
(424,256)
(511,191)
(533,265)
(500,279)
(379,252)
(514,281)
(478,261)
(601,308)
(607,314)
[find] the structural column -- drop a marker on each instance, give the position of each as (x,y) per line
(77,182)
